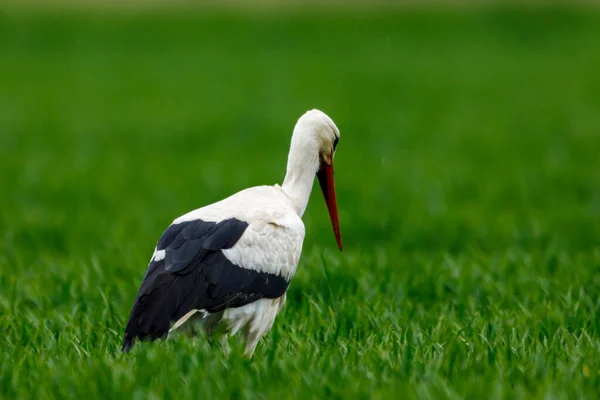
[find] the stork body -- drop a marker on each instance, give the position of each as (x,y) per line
(229,264)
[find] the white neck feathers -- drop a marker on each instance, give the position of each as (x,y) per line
(303,163)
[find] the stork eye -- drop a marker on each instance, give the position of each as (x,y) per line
(335,142)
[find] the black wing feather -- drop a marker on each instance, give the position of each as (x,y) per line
(195,274)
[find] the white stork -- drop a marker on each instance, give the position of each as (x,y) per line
(232,261)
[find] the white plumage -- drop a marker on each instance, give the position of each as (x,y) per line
(229,264)
(273,241)
(272,244)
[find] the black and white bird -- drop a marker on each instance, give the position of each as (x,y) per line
(229,264)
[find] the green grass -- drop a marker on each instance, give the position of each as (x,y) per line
(468,180)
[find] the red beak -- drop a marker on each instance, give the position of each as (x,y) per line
(325,175)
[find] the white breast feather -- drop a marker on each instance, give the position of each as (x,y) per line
(269,247)
(272,243)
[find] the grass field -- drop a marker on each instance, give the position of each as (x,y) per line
(468,178)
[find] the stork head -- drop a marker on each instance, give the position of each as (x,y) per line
(316,136)
(318,128)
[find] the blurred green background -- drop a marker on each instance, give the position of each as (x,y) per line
(468,181)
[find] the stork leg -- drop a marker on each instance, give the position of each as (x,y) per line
(212,323)
(252,339)
(261,323)
(224,342)
(214,328)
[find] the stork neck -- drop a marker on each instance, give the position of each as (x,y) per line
(299,179)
